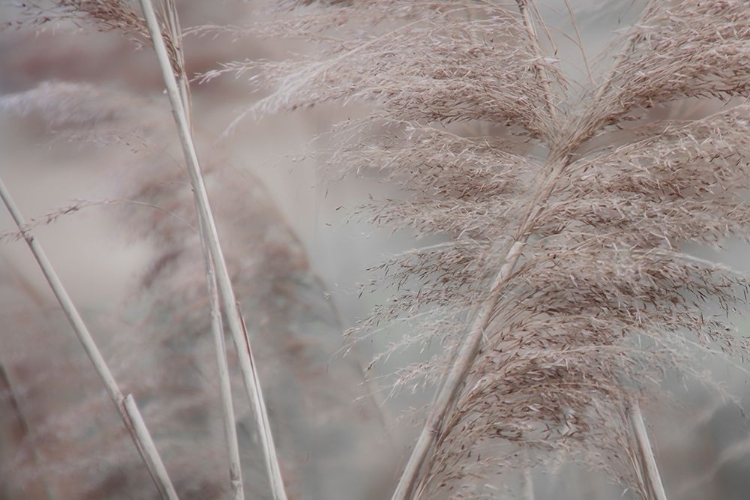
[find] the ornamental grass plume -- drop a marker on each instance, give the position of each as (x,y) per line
(555,278)
(561,289)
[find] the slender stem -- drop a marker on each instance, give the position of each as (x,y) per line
(454,380)
(217,325)
(534,41)
(225,386)
(469,347)
(150,453)
(579,41)
(619,59)
(653,478)
(175,34)
(129,415)
(226,293)
(261,411)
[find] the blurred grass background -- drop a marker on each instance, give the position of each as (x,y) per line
(701,442)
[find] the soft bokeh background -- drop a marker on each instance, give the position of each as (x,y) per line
(701,442)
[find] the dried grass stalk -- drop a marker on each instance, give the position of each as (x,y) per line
(646,452)
(209,233)
(125,405)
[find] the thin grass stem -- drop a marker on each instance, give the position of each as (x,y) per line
(129,413)
(653,478)
(469,347)
(534,40)
(149,451)
(226,292)
(225,386)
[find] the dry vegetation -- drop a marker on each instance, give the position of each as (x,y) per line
(554,278)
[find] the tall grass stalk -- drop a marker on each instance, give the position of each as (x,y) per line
(225,385)
(650,469)
(210,237)
(125,405)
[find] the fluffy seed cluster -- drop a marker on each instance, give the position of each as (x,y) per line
(476,128)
